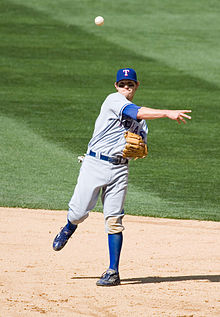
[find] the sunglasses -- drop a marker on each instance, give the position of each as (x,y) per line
(123,84)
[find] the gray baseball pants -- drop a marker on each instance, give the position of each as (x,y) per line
(100,176)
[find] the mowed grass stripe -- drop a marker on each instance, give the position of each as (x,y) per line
(183,34)
(54,81)
(34,172)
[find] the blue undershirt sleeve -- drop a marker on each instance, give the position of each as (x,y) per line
(131,111)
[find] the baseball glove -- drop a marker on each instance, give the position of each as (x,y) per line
(135,146)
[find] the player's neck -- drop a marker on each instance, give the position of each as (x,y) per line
(130,98)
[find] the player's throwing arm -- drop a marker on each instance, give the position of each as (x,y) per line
(150,113)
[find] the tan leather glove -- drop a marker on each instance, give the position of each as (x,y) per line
(135,146)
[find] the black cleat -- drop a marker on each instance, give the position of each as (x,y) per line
(109,278)
(61,239)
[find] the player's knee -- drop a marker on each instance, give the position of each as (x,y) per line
(114,225)
(75,217)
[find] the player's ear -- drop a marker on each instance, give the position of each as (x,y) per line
(137,84)
(116,85)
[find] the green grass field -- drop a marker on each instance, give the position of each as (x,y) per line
(57,67)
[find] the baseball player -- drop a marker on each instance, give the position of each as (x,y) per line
(120,134)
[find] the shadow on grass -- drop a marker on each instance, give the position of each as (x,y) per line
(158,279)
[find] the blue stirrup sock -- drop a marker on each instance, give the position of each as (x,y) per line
(115,243)
(71,226)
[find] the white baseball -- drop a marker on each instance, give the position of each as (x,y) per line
(99,20)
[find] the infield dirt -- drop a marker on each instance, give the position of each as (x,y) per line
(168,267)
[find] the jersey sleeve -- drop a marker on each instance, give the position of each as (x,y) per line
(131,111)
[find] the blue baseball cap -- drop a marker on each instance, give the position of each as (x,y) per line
(126,73)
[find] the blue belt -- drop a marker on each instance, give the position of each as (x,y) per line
(114,160)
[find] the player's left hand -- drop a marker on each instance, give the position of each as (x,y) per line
(135,146)
(178,115)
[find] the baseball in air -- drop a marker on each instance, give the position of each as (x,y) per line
(99,20)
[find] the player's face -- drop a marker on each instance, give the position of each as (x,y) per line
(127,88)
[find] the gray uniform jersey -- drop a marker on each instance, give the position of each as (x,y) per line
(108,136)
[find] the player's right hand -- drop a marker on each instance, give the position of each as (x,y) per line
(178,115)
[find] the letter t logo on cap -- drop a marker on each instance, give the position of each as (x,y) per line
(126,71)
